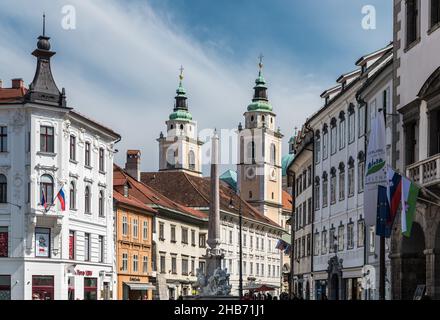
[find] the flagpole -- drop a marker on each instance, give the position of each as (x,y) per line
(382,267)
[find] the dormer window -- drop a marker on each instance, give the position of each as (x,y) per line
(126,190)
(327,99)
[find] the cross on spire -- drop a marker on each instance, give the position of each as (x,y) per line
(44,24)
(260,64)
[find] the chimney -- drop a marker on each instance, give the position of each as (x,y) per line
(132,166)
(17,83)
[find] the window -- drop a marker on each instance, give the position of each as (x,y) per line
(135,228)
(308,244)
(350,236)
(309,176)
(251,241)
(101,248)
(46,139)
(333,136)
(361,172)
(350,177)
(309,210)
(185,266)
(145,264)
(230,236)
(90,288)
(162,264)
(324,242)
(87,201)
(273,154)
(161,231)
(372,244)
(191,160)
(87,154)
(71,245)
(342,130)
(317,182)
(251,152)
(3,139)
(258,269)
(193,266)
(332,186)
(86,246)
(361,117)
(351,123)
(72,148)
(202,265)
(316,243)
(412,21)
(193,237)
(435,12)
(4,243)
(124,226)
(124,262)
(202,240)
(371,114)
(135,263)
(185,235)
(101,160)
(3,189)
(145,230)
(101,203)
(341,238)
(173,233)
(174,264)
(72,196)
(46,186)
(360,233)
(325,141)
(332,240)
(324,189)
(303,247)
(317,147)
(341,181)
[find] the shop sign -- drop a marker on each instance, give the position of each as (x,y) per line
(135,279)
(86,273)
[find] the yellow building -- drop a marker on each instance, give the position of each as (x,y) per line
(134,232)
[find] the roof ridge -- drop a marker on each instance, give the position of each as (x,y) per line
(192,184)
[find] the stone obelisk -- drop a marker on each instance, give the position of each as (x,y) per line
(214,252)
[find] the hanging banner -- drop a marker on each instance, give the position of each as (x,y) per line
(376,169)
(42,243)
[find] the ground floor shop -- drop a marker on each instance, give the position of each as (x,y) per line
(134,287)
(303,286)
(36,279)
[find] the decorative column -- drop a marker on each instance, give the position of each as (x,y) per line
(430,272)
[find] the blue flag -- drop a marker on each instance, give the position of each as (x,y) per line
(383,213)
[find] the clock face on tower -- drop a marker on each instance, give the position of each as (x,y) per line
(273,174)
(250,173)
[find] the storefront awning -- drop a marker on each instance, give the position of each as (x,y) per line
(140,286)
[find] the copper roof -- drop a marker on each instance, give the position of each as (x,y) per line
(193,191)
(148,195)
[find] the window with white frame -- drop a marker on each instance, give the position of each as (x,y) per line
(360,233)
(145,230)
(361,171)
(351,123)
(316,242)
(317,192)
(351,177)
(333,136)
(324,241)
(341,238)
(350,236)
(332,185)
(124,226)
(124,266)
(317,147)
(324,189)
(372,238)
(342,130)
(135,228)
(361,118)
(325,141)
(341,181)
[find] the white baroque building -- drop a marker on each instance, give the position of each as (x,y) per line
(48,253)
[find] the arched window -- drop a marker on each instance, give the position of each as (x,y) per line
(101,203)
(72,196)
(251,151)
(181,127)
(171,157)
(191,160)
(273,153)
(3,189)
(46,189)
(250,194)
(87,200)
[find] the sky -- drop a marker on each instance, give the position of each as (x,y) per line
(120,63)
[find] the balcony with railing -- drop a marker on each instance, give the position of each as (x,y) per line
(426,172)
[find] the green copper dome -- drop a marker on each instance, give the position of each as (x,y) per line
(182,115)
(260,106)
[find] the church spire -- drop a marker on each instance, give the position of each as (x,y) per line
(43,88)
(260,101)
(180,111)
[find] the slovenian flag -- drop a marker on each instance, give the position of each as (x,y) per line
(43,199)
(394,193)
(62,199)
(410,193)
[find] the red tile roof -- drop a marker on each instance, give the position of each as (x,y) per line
(192,191)
(287,201)
(148,195)
(132,201)
(12,94)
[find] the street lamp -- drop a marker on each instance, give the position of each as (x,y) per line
(240,246)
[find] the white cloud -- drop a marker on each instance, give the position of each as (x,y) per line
(120,67)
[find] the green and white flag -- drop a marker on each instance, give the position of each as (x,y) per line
(376,169)
(410,193)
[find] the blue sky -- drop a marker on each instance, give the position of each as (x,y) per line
(120,64)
